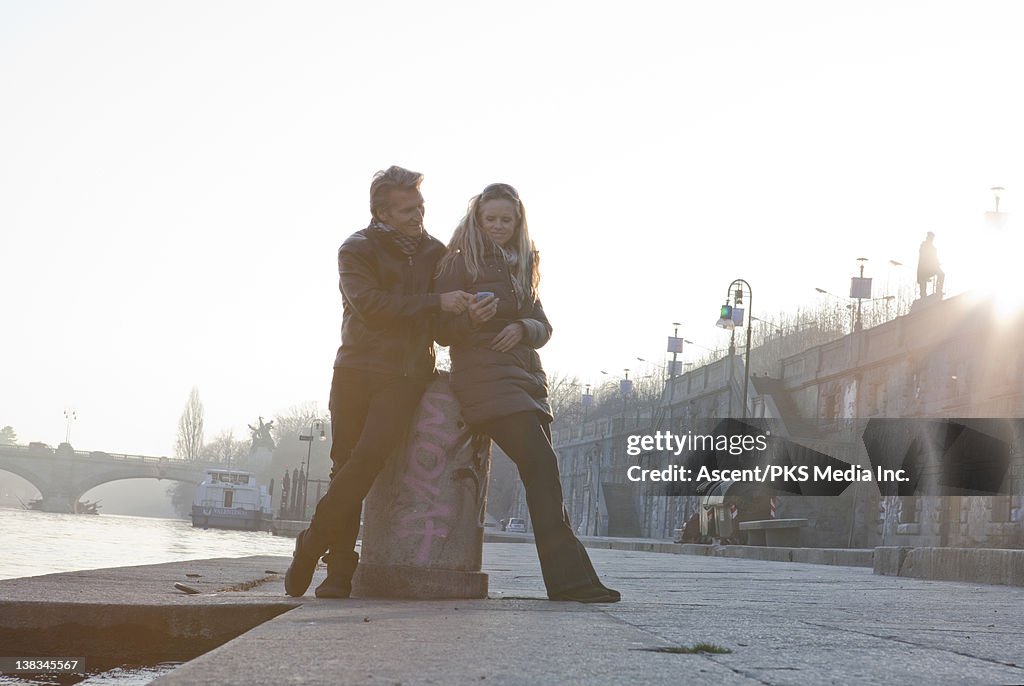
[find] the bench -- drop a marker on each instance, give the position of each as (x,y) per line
(784,533)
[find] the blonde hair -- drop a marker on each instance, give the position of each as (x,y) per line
(473,244)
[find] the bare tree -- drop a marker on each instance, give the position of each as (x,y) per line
(647,391)
(189,445)
(295,420)
(607,400)
(564,393)
(224,448)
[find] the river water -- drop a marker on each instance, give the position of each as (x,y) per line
(34,543)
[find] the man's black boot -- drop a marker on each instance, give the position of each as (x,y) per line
(300,571)
(340,568)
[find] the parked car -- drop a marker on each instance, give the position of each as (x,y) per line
(516,524)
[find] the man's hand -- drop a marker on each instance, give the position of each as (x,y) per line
(482,310)
(456,301)
(508,337)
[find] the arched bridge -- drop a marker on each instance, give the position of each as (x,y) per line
(63,475)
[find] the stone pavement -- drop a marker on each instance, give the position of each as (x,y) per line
(785,623)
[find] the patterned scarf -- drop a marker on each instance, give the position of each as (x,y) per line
(407,244)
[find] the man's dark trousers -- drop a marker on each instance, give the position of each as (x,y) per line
(370,415)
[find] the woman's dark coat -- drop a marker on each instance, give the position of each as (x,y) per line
(490,384)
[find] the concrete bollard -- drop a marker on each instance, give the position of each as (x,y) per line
(423,519)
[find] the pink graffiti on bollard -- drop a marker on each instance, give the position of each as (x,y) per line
(424,526)
(428,461)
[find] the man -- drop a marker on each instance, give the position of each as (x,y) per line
(382,368)
(928,266)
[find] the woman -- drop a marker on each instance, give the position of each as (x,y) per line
(498,379)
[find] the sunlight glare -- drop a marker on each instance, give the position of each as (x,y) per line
(985,262)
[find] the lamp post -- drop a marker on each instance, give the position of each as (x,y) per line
(318,425)
(625,388)
(997,219)
(728,320)
(860,288)
(586,400)
(69,416)
(674,346)
(595,491)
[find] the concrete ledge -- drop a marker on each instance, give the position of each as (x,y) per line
(765,524)
(779,533)
(835,556)
(861,557)
(974,565)
(889,559)
(135,614)
(130,632)
(750,552)
(503,537)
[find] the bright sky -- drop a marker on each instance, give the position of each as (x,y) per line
(175,178)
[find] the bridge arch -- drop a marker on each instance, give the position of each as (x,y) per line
(16,483)
(34,477)
(64,475)
(85,484)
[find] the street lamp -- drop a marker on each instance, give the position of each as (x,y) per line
(594,454)
(587,400)
(625,388)
(69,416)
(730,317)
(315,425)
(997,219)
(625,385)
(674,346)
(860,288)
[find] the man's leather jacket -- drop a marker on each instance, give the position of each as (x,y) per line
(388,306)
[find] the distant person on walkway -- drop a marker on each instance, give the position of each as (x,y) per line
(928,266)
(384,363)
(497,377)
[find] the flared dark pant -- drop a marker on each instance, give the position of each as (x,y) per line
(370,416)
(526,439)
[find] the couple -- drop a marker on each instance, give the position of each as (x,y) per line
(400,289)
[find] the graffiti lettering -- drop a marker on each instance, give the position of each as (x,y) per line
(428,460)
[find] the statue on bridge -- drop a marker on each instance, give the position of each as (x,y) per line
(261,435)
(928,266)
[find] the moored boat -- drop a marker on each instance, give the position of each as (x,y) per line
(231,499)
